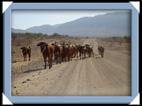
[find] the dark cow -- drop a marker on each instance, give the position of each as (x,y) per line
(65,53)
(85,51)
(47,52)
(57,53)
(26,51)
(101,51)
(89,50)
(80,50)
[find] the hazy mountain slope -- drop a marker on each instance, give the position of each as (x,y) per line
(111,24)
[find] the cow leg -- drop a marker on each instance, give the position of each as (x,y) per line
(25,57)
(71,58)
(89,54)
(80,55)
(29,57)
(68,58)
(102,55)
(61,59)
(77,55)
(65,59)
(44,63)
(50,62)
(93,54)
(56,59)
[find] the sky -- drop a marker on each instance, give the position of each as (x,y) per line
(22,19)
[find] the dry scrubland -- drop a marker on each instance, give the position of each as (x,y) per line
(91,76)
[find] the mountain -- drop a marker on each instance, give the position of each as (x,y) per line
(18,30)
(110,24)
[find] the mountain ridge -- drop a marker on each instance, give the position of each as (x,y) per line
(110,24)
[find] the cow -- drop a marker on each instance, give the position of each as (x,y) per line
(92,52)
(65,53)
(81,51)
(61,52)
(68,52)
(89,50)
(47,52)
(71,51)
(101,51)
(75,51)
(57,52)
(26,51)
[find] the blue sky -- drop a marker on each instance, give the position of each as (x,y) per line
(24,19)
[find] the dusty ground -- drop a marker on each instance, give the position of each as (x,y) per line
(91,76)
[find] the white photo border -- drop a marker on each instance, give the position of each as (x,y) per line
(71,99)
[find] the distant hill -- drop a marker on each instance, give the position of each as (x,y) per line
(111,24)
(18,30)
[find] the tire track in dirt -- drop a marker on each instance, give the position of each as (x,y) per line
(59,87)
(73,86)
(113,78)
(118,58)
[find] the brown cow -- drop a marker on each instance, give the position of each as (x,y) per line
(65,53)
(47,52)
(101,51)
(75,51)
(57,53)
(72,51)
(26,51)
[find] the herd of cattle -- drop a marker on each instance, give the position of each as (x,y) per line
(62,52)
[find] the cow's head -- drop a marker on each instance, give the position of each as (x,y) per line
(42,44)
(23,48)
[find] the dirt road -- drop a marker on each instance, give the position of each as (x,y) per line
(91,76)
